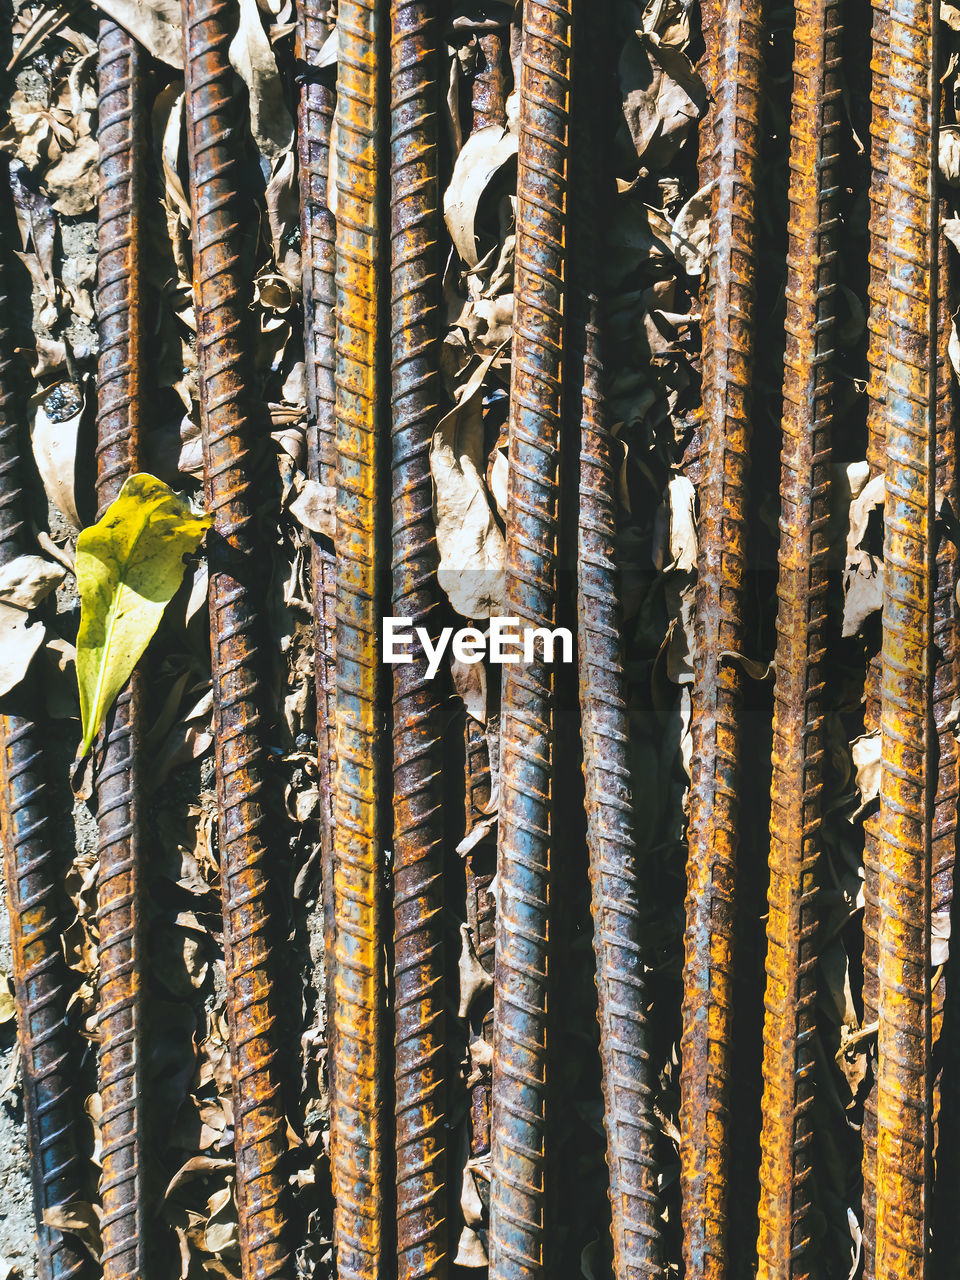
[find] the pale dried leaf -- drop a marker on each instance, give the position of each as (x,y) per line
(155,23)
(473,977)
(470,682)
(866,758)
(28,579)
(863,592)
(254,62)
(55,451)
(949,154)
(316,508)
(691,231)
(472,548)
(483,157)
(19,641)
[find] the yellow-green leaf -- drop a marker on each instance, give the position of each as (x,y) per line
(129,565)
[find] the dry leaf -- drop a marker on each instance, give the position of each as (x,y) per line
(73,182)
(863,591)
(19,641)
(55,450)
(155,23)
(949,154)
(473,977)
(470,1250)
(472,548)
(253,60)
(482,159)
(27,580)
(866,758)
(691,231)
(8,1007)
(470,682)
(316,508)
(662,98)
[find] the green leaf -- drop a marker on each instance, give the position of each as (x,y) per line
(129,565)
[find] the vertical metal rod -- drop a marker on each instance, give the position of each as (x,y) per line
(418,852)
(481,910)
(318,232)
(221,298)
(119,881)
(489,97)
(357,1121)
(519,1147)
(946,618)
(33,883)
(786,1235)
(906,722)
(728,344)
(628,1072)
(876,459)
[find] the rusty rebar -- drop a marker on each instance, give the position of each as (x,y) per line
(728,345)
(418,847)
(518,1146)
(221,299)
(906,727)
(786,1169)
(481,912)
(119,879)
(488,98)
(33,877)
(876,459)
(318,233)
(357,1119)
(628,1071)
(946,687)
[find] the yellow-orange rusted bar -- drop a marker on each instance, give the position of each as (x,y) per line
(357,1113)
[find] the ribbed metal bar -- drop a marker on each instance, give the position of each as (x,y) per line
(357,1120)
(728,344)
(33,877)
(906,722)
(418,851)
(221,299)
(119,881)
(786,1170)
(519,1147)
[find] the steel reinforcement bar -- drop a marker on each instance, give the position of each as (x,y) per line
(728,344)
(520,1077)
(221,298)
(616,870)
(33,877)
(907,733)
(786,1172)
(357,1117)
(318,232)
(418,847)
(121,139)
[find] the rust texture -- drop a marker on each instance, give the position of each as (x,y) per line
(221,298)
(628,1071)
(786,1170)
(489,90)
(481,919)
(906,686)
(728,340)
(357,1117)
(318,232)
(876,450)
(418,850)
(944,1037)
(33,879)
(119,881)
(518,1146)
